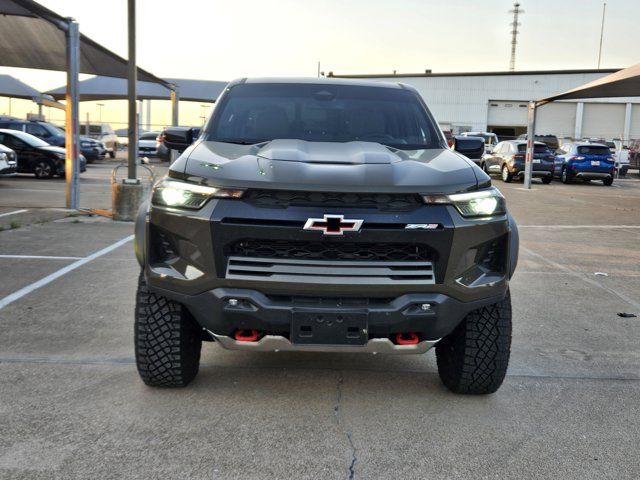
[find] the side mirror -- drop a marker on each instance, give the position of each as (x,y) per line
(179,138)
(470,147)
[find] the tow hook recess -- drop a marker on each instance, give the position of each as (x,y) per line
(246,335)
(408,338)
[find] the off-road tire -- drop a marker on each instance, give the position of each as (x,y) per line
(506,175)
(547,180)
(167,340)
(473,359)
(607,182)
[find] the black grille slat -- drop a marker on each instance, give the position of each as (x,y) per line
(287,198)
(286,249)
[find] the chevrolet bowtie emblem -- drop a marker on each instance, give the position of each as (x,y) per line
(333,224)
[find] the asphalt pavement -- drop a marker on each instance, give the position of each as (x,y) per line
(73,407)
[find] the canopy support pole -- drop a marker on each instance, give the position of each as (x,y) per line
(528,161)
(132,77)
(71,167)
(175,117)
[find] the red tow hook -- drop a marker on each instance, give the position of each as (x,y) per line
(408,338)
(246,335)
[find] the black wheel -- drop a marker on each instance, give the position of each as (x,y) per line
(112,153)
(43,169)
(473,359)
(565,176)
(484,168)
(167,340)
(507,177)
(547,180)
(607,181)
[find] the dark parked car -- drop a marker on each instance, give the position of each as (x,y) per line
(37,156)
(91,149)
(585,161)
(325,215)
(550,141)
(508,159)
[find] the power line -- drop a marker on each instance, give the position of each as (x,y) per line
(514,34)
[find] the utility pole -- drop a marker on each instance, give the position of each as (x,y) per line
(72,167)
(132,78)
(514,34)
(604,10)
(100,105)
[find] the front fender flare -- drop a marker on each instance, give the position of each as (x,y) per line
(514,246)
(141,232)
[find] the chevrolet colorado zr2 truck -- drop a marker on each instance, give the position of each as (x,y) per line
(324,215)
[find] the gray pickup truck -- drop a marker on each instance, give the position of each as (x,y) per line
(325,215)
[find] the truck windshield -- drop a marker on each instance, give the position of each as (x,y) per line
(254,113)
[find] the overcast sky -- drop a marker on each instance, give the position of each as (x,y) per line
(224,40)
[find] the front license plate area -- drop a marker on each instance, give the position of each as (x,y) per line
(319,327)
(595,163)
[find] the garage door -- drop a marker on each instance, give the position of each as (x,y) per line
(557,119)
(507,113)
(634,131)
(603,120)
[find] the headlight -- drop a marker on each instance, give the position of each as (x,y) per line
(483,203)
(173,193)
(3,156)
(61,156)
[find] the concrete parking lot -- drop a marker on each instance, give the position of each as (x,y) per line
(73,407)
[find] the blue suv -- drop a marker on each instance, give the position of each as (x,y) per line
(586,161)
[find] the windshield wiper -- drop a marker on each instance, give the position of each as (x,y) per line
(240,141)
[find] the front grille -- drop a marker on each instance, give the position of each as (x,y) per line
(286,198)
(329,262)
(286,249)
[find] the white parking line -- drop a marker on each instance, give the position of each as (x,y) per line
(559,267)
(13,213)
(39,257)
(57,274)
(569,227)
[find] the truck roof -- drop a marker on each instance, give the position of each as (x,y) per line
(322,81)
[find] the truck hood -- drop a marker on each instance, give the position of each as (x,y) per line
(328,166)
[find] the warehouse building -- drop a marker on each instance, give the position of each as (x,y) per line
(497,102)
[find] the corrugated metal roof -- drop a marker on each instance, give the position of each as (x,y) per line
(475,74)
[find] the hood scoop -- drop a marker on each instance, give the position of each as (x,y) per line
(334,153)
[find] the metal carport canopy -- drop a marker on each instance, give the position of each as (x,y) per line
(33,36)
(623,83)
(14,88)
(108,88)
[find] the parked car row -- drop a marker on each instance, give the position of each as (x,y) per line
(90,148)
(584,161)
(31,154)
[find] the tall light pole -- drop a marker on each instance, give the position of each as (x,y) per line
(604,10)
(204,112)
(100,105)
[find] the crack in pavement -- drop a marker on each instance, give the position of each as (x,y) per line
(336,413)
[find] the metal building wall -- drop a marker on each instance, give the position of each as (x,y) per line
(463,101)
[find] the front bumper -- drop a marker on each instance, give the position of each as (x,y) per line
(278,343)
(199,276)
